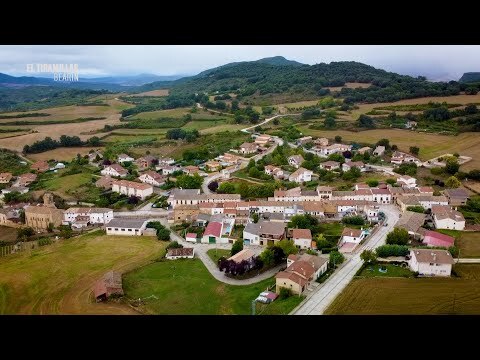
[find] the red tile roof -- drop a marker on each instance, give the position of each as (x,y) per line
(434,238)
(352,232)
(213,228)
(301,234)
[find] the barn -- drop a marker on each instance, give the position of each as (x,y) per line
(110,284)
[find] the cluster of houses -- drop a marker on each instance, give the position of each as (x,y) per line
(259,145)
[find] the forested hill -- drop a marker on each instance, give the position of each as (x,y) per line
(470,77)
(264,80)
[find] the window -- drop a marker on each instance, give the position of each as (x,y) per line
(130,229)
(431,264)
(123,229)
(116,229)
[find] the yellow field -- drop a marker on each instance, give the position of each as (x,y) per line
(431,145)
(352,85)
(161,92)
(179,112)
(112,114)
(61,154)
(12,134)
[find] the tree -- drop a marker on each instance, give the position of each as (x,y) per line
(383,142)
(255,218)
(353,174)
(474,174)
(226,188)
(335,259)
(163,234)
(306,221)
(391,181)
(392,250)
(236,247)
(66,231)
(213,186)
(24,233)
(372,183)
(353,220)
(452,182)
(454,251)
(288,247)
(50,227)
(365,121)
(174,245)
(329,123)
(276,121)
(267,257)
(368,256)
(338,139)
(285,293)
(416,208)
(414,150)
(452,166)
(398,237)
(189,181)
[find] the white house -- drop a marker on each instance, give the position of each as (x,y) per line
(382,196)
(262,140)
(264,232)
(302,238)
(125,158)
(152,178)
(94,215)
(358,164)
(114,170)
(330,165)
(295,161)
(407,181)
(274,171)
(248,148)
(430,262)
(166,160)
(446,218)
(213,233)
(379,151)
(126,227)
(131,188)
(191,237)
(332,149)
(301,175)
(352,236)
(180,253)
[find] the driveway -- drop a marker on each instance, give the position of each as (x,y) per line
(201,253)
(319,300)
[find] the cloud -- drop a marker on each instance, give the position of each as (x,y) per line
(98,60)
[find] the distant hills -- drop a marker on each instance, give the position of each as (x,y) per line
(135,80)
(470,77)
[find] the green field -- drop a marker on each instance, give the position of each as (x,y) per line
(378,295)
(391,271)
(467,242)
(63,184)
(186,287)
(58,278)
(216,254)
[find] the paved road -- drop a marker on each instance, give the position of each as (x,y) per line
(467,261)
(264,122)
(323,296)
(201,253)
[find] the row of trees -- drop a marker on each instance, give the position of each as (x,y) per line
(65,141)
(181,134)
(162,232)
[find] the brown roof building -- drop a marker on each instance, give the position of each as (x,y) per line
(110,284)
(40,166)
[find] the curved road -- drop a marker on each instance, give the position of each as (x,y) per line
(323,296)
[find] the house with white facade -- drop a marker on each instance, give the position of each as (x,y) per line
(302,238)
(264,232)
(115,170)
(330,165)
(350,239)
(445,217)
(428,262)
(263,139)
(358,164)
(379,151)
(125,158)
(407,181)
(275,171)
(295,160)
(248,148)
(131,188)
(301,175)
(152,178)
(180,253)
(94,215)
(126,227)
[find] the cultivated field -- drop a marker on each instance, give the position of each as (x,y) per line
(369,296)
(8,234)
(469,244)
(431,145)
(63,184)
(186,287)
(349,85)
(111,113)
(61,154)
(161,92)
(58,279)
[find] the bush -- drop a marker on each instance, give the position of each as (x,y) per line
(416,208)
(453,250)
(285,293)
(372,183)
(353,220)
(398,236)
(174,245)
(392,250)
(237,247)
(336,258)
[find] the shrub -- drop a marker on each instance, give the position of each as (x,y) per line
(174,245)
(398,236)
(336,258)
(353,220)
(285,293)
(392,250)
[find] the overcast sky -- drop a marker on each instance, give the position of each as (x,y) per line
(439,62)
